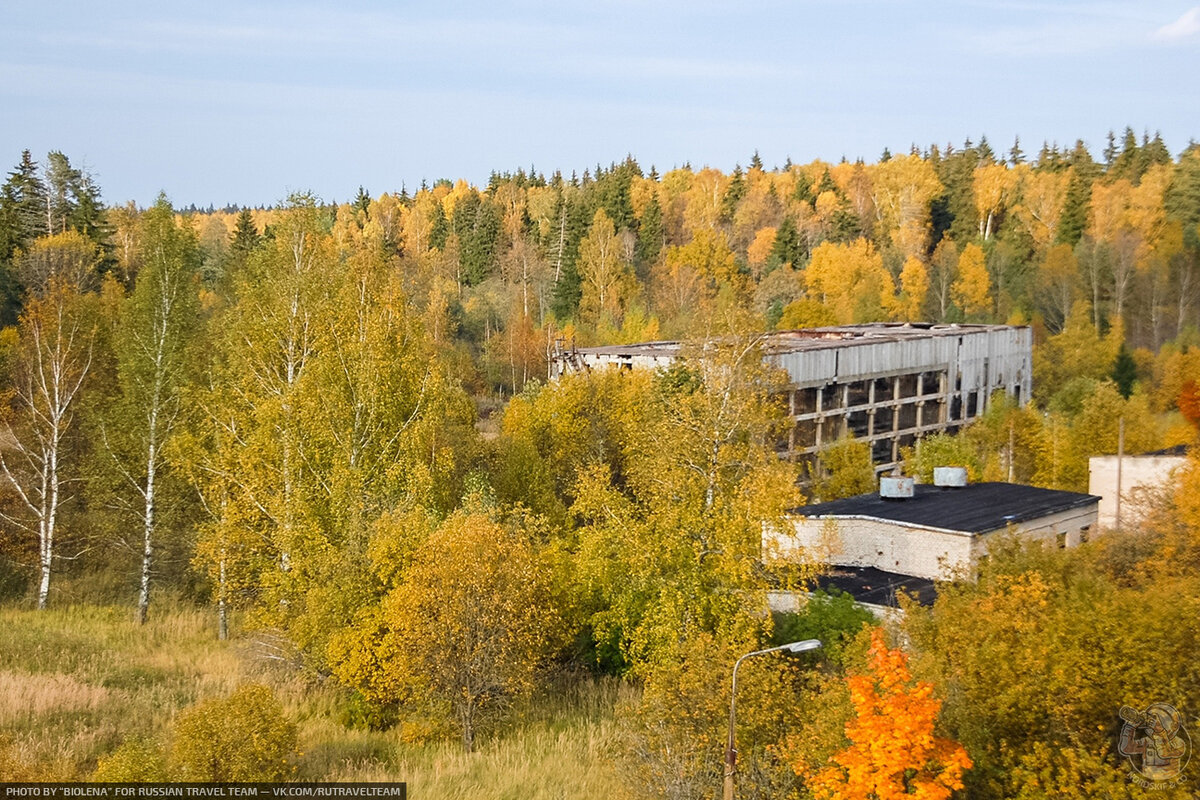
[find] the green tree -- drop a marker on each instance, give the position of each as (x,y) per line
(157,329)
(244,239)
(22,206)
(476,222)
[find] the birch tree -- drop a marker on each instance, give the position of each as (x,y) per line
(156,328)
(54,355)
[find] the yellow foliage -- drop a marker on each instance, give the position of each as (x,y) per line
(971,289)
(760,249)
(1039,209)
(902,189)
(851,281)
(244,737)
(914,286)
(468,626)
(992,190)
(607,280)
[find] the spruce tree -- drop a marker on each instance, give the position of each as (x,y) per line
(23,202)
(1016,155)
(650,233)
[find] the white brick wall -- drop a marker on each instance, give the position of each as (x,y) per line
(910,549)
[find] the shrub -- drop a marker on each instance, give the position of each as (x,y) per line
(245,737)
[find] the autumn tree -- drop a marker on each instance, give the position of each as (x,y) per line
(914,286)
(69,257)
(993,188)
(893,750)
(943,275)
(52,361)
(605,274)
(851,281)
(468,625)
(844,469)
(157,327)
(1058,282)
(971,290)
(1034,668)
(327,405)
(902,189)
(1038,209)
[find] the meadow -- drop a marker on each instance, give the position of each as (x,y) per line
(77,682)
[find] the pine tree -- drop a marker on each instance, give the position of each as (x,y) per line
(1124,372)
(245,234)
(362,201)
(62,181)
(1016,155)
(1110,149)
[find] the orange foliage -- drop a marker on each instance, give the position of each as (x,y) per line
(1189,403)
(893,752)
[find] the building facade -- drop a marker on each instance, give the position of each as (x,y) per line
(1128,481)
(888,383)
(938,533)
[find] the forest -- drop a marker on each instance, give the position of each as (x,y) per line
(297,476)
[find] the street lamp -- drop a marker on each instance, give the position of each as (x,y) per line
(731,748)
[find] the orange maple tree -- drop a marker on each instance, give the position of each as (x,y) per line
(1189,403)
(893,751)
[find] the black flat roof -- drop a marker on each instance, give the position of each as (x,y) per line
(975,508)
(874,586)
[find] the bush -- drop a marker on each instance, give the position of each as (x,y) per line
(135,761)
(245,737)
(832,617)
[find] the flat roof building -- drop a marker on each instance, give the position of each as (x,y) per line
(888,383)
(936,533)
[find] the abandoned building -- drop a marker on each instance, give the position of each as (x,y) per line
(888,383)
(935,531)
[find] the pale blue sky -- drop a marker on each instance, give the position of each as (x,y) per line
(242,102)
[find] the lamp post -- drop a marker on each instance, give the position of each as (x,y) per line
(731,747)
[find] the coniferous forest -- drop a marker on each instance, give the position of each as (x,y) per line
(287,493)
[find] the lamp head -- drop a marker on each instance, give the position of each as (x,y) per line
(800,647)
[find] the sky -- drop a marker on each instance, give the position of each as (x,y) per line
(245,102)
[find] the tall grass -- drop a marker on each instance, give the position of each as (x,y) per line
(76,682)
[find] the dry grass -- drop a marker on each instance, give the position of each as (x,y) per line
(24,695)
(77,682)
(534,761)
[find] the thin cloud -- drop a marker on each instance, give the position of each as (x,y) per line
(1185,27)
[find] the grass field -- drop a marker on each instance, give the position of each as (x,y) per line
(77,682)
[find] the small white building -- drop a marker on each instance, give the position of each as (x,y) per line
(937,533)
(1139,475)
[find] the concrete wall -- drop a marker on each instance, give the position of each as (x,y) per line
(1137,472)
(906,549)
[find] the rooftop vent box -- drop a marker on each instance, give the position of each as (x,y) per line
(950,476)
(893,488)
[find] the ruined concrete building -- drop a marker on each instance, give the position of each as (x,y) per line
(888,383)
